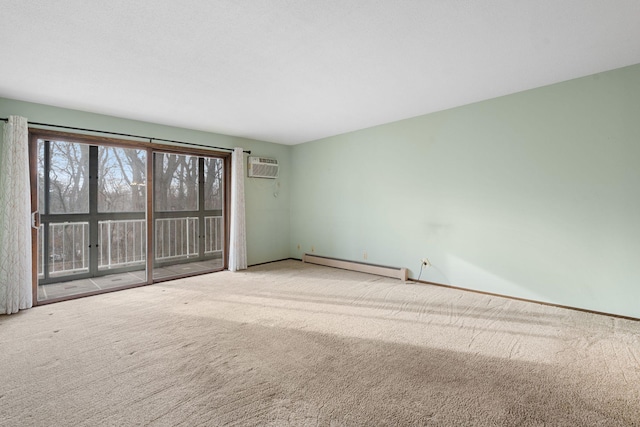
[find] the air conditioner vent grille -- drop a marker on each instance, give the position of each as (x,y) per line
(262,167)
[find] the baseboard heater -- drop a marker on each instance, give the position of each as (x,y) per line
(379,270)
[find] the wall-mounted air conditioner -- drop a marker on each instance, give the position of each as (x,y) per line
(262,167)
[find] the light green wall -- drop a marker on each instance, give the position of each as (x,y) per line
(267,216)
(534,195)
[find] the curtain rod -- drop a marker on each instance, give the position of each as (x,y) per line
(130,136)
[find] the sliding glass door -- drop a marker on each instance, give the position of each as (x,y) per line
(102,228)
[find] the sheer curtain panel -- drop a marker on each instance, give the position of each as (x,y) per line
(15,217)
(237,237)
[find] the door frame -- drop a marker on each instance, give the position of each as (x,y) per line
(92,140)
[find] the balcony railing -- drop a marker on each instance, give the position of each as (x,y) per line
(176,238)
(213,234)
(123,243)
(68,248)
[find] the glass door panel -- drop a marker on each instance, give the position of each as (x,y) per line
(188,200)
(92,201)
(121,205)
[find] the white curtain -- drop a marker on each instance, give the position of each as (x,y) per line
(237,238)
(15,218)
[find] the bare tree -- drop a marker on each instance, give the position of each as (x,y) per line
(69,178)
(213,183)
(121,179)
(176,182)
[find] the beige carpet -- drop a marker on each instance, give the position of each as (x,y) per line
(294,344)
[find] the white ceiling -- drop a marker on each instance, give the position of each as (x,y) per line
(292,71)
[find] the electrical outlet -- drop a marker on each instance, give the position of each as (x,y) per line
(364,255)
(298,248)
(425,262)
(313,249)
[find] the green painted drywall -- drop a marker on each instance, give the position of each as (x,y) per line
(267,216)
(533,195)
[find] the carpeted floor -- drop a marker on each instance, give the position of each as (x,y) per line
(294,344)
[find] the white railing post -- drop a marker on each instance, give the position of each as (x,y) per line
(126,243)
(109,244)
